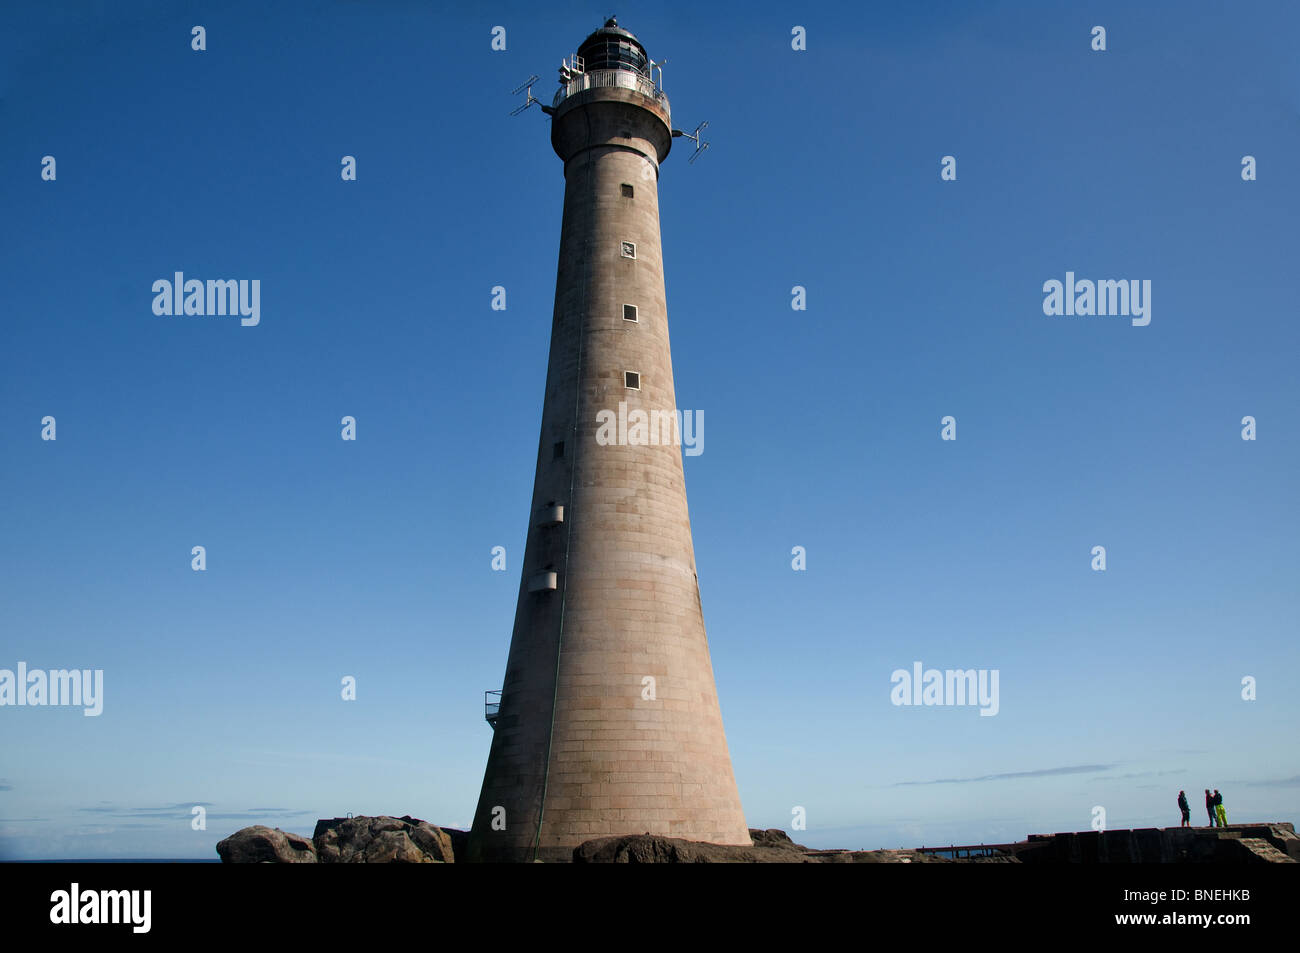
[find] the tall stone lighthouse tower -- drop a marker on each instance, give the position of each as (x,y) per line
(608,720)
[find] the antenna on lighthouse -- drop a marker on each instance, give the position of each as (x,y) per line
(525,87)
(660,67)
(700,144)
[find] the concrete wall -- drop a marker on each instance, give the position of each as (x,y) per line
(1235,844)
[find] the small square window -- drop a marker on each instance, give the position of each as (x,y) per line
(627,190)
(631,380)
(558,450)
(629,312)
(629,249)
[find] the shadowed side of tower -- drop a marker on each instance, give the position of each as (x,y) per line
(585,744)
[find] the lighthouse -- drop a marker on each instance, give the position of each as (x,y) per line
(608,720)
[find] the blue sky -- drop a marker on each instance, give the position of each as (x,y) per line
(371,558)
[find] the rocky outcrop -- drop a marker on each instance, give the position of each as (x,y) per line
(770,847)
(657,849)
(902,856)
(381,840)
(266,845)
(773,837)
(345,840)
(388,840)
(459,841)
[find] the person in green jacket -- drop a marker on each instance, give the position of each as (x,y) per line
(1219,812)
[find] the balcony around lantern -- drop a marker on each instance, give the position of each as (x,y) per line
(623,78)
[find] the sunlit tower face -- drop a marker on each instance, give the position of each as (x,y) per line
(609,720)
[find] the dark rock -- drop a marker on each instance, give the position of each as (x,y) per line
(773,837)
(656,849)
(770,847)
(459,842)
(381,840)
(266,845)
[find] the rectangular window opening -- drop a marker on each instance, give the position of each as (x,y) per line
(629,249)
(629,312)
(627,190)
(631,380)
(557,451)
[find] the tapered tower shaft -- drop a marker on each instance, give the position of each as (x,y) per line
(609,720)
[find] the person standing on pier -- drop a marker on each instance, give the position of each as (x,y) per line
(1209,807)
(1187,811)
(1218,809)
